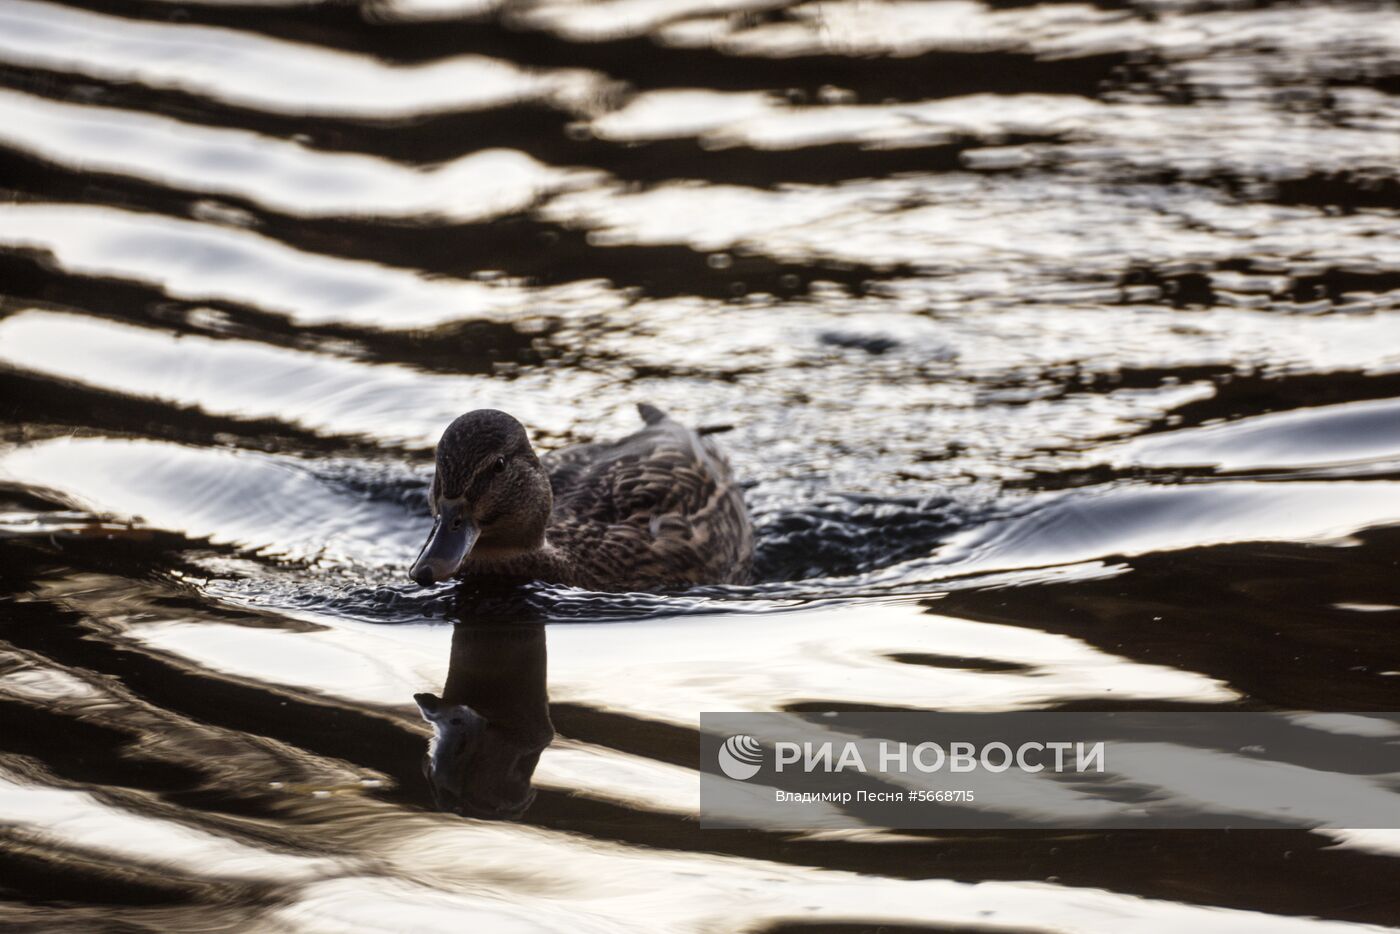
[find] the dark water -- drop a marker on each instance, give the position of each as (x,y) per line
(1058,344)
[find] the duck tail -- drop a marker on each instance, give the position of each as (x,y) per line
(650,413)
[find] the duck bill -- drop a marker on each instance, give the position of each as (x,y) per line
(447,547)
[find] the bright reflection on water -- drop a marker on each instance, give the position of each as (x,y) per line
(1057,345)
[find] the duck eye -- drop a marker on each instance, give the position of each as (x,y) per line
(500,464)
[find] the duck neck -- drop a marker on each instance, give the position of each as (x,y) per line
(544,562)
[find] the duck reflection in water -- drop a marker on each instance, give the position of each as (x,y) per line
(491,722)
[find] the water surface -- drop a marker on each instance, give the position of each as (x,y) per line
(1057,346)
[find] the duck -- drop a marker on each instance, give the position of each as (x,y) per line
(656,510)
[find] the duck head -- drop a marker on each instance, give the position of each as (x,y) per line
(490,496)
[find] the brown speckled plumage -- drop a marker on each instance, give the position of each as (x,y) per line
(658,509)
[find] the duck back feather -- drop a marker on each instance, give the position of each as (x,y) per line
(656,509)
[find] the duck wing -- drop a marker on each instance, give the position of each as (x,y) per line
(662,469)
(658,505)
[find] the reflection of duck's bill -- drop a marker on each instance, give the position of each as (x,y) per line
(447,547)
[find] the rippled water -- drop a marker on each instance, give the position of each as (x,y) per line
(1058,345)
